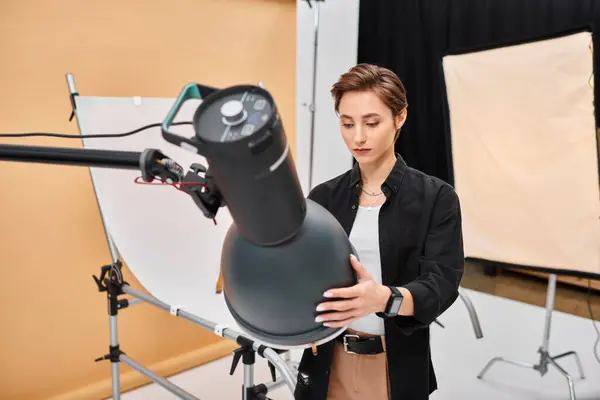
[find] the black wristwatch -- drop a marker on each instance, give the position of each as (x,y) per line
(393,305)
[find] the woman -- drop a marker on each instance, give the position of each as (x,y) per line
(406,229)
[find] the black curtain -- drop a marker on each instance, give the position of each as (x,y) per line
(410,37)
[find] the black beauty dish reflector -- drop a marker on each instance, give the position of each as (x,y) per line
(282,251)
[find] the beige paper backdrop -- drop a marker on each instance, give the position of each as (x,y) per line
(525,153)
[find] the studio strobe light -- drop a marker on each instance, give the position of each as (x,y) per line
(283,251)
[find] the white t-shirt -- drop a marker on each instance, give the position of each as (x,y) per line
(364,236)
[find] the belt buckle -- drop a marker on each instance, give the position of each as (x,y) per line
(346,343)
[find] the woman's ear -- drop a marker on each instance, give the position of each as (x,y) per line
(400,119)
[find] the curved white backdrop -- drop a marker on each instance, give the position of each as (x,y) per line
(160,233)
(162,236)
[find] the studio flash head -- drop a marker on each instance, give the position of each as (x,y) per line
(282,251)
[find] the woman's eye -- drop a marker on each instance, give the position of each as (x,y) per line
(372,124)
(347,126)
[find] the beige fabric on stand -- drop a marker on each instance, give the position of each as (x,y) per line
(525,153)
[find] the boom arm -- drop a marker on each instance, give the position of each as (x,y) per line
(151,162)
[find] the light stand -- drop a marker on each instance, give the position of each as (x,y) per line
(312,106)
(111,281)
(545,357)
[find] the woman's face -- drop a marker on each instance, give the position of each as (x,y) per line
(368,126)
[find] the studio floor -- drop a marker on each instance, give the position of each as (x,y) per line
(510,309)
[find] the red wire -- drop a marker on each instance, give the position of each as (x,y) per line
(157,181)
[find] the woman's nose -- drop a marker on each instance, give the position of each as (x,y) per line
(359,137)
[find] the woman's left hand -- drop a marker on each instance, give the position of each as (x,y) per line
(364,298)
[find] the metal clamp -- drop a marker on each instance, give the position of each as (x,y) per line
(220,328)
(175,310)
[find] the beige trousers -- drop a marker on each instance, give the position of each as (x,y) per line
(358,376)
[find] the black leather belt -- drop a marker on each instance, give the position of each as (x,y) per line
(365,345)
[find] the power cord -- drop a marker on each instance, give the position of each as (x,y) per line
(309,2)
(133,132)
(589,303)
(66,136)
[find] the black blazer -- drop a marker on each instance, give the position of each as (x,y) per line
(421,249)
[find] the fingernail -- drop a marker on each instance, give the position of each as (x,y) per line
(327,294)
(318,319)
(327,325)
(353,256)
(320,308)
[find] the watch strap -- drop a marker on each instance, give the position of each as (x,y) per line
(395,293)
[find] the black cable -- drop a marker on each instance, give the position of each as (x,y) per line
(589,303)
(66,136)
(310,4)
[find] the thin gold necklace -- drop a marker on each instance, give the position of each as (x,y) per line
(372,204)
(370,193)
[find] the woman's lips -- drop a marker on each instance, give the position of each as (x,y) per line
(362,152)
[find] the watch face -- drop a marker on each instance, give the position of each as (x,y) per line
(396,303)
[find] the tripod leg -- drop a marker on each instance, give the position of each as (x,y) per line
(248,380)
(472,313)
(114,338)
(502,359)
(577,360)
(567,376)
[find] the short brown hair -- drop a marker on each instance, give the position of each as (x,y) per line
(384,82)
